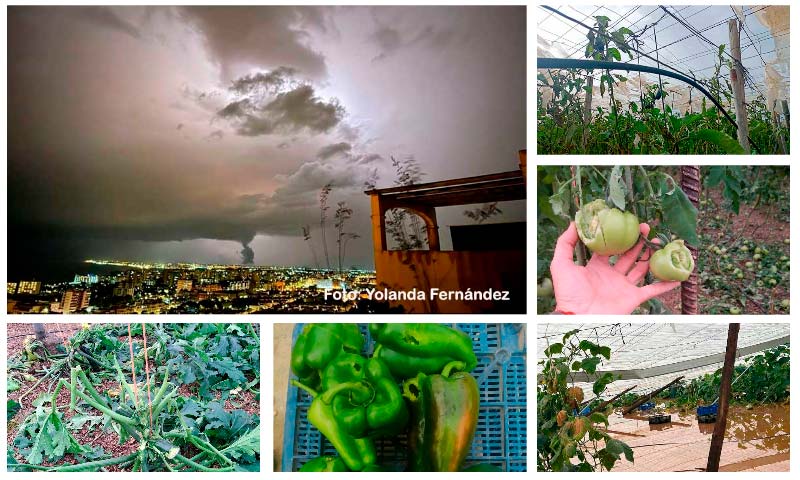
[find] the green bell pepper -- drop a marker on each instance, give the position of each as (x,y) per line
(324,464)
(412,348)
(318,344)
(444,418)
(380,411)
(356,453)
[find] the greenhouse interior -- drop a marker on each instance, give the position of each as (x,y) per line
(653,79)
(658,391)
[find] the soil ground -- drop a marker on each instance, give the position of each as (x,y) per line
(760,224)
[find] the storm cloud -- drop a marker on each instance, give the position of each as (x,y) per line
(142,130)
(268,110)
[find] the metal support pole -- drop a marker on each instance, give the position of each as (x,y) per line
(639,401)
(737,82)
(724,394)
(690,183)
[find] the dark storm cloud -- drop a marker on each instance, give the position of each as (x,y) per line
(105,17)
(329,151)
(265,37)
(390,39)
(268,82)
(288,112)
(107,135)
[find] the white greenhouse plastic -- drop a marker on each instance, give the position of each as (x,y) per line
(650,355)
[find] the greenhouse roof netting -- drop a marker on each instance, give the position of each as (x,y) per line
(650,355)
(681,38)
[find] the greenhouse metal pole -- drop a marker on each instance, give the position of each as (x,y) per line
(690,184)
(724,393)
(737,82)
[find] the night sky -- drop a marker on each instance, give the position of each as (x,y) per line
(204,134)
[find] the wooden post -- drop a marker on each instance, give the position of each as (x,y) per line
(785,107)
(648,396)
(724,393)
(611,400)
(737,82)
(691,185)
(776,122)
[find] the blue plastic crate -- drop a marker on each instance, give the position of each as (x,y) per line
(501,435)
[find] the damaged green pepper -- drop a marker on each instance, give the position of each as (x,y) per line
(674,262)
(381,410)
(606,231)
(356,453)
(411,348)
(318,344)
(444,418)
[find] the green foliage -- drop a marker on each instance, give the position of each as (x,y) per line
(163,423)
(43,436)
(763,378)
(565,440)
(12,407)
(651,125)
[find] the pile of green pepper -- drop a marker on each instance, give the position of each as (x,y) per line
(417,381)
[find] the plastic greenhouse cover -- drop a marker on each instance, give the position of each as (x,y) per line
(681,97)
(668,350)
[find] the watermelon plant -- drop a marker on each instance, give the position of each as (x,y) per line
(173,405)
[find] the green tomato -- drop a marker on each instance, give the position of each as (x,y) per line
(740,275)
(723,250)
(772,282)
(545,289)
(674,262)
(749,264)
(743,248)
(785,303)
(784,258)
(735,311)
(759,283)
(773,269)
(606,231)
(757,256)
(786,241)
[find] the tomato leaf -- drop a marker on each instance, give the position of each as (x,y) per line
(680,215)
(721,139)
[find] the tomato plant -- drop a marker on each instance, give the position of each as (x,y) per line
(569,438)
(650,124)
(649,194)
(762,378)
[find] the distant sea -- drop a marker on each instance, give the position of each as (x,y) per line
(57,271)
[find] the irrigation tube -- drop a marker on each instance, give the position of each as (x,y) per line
(574,63)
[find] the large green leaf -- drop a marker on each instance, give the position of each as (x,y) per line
(616,188)
(680,215)
(720,139)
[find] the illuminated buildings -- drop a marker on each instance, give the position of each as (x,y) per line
(183,285)
(73,301)
(29,287)
(12,288)
(88,278)
(239,285)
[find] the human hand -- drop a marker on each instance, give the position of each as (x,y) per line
(599,287)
